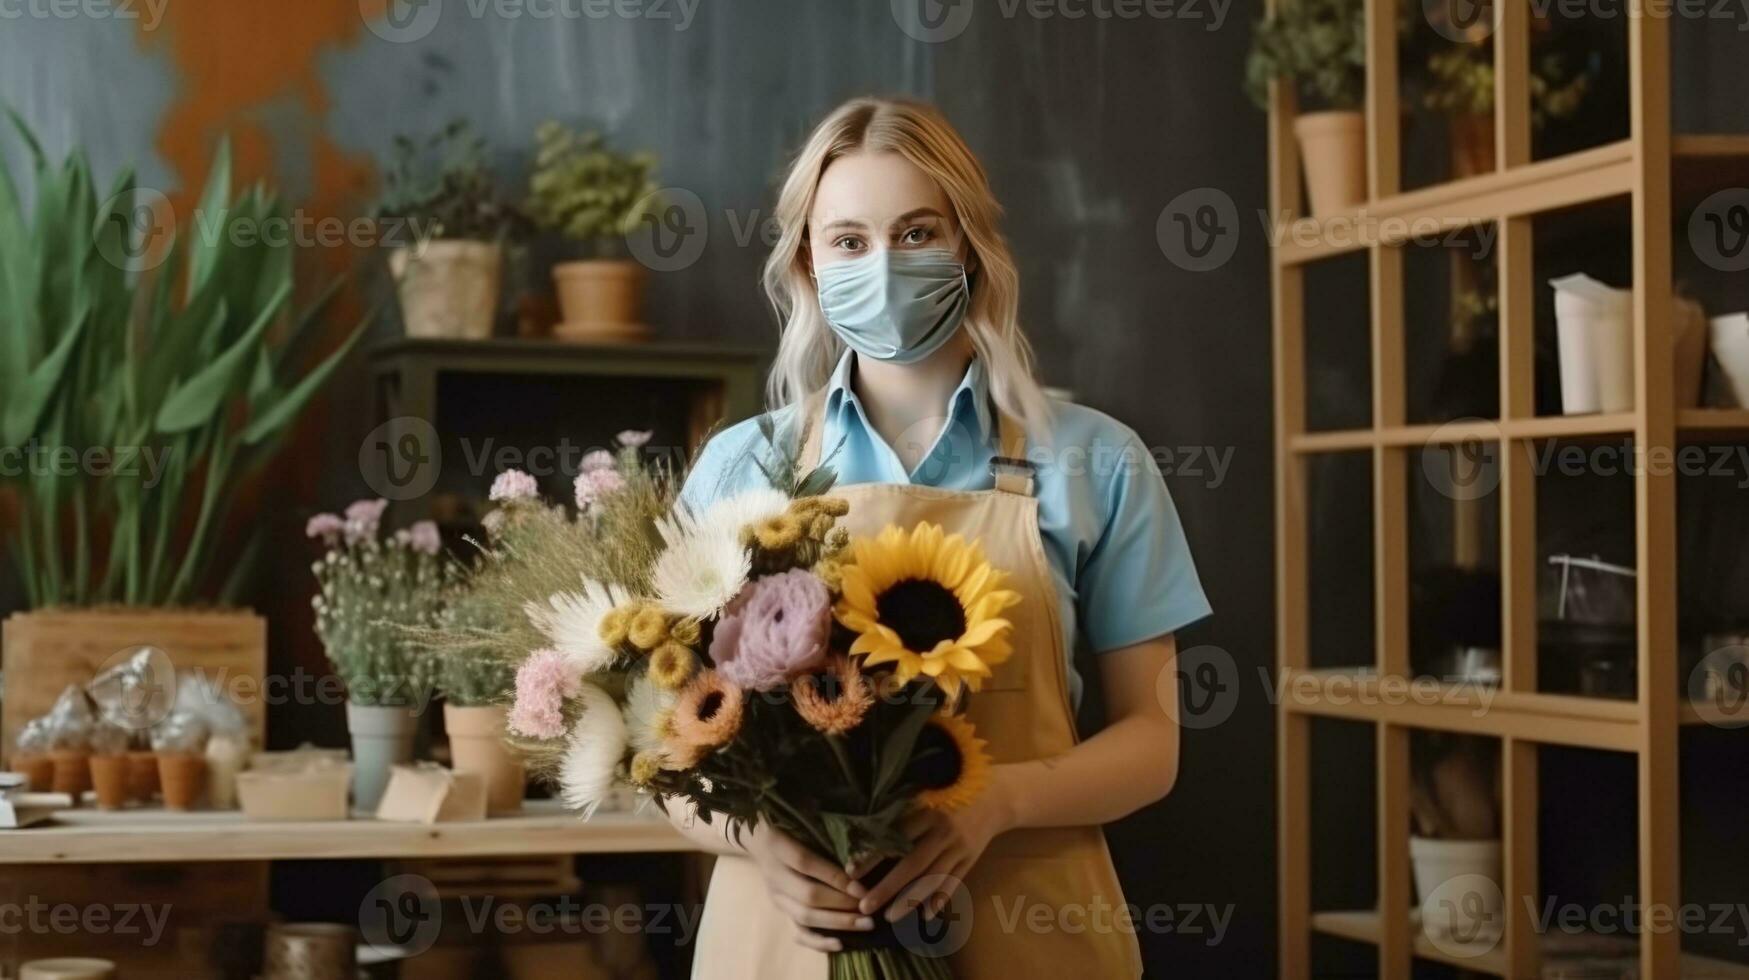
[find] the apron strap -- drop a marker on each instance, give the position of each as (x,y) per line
(1013,473)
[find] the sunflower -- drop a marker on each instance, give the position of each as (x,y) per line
(928,603)
(949,763)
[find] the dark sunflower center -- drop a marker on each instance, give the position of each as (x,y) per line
(709,705)
(922,612)
(938,762)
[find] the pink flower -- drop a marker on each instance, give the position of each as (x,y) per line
(513,485)
(775,630)
(597,459)
(363,518)
(592,485)
(634,438)
(325,526)
(543,682)
(424,537)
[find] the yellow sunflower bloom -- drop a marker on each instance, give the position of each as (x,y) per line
(927,603)
(950,763)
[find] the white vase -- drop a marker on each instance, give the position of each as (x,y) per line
(1730,344)
(1458,883)
(1594,324)
(448,288)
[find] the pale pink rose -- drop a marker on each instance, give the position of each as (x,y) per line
(514,485)
(543,682)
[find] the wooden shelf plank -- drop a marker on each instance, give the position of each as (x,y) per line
(1362,926)
(1692,424)
(1702,162)
(95,836)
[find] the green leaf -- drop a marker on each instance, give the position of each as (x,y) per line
(198,400)
(896,750)
(213,211)
(25,403)
(281,413)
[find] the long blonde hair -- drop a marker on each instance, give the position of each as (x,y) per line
(808,349)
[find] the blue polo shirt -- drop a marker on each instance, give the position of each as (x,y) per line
(1116,547)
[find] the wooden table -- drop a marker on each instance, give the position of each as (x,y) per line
(140,836)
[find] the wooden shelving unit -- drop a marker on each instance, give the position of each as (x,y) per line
(1653,170)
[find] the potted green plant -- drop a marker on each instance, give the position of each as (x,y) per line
(143,376)
(440,198)
(376,591)
(476,685)
(1319,48)
(593,196)
(1459,85)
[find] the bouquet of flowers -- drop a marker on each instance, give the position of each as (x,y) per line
(375,591)
(751,658)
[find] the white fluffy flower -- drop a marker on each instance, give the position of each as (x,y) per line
(592,755)
(646,710)
(572,622)
(701,570)
(744,509)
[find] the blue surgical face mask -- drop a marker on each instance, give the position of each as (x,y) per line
(898,306)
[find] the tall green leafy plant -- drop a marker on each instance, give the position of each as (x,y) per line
(136,391)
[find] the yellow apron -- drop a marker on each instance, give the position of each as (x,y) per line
(1042,902)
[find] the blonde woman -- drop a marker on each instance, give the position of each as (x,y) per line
(901,355)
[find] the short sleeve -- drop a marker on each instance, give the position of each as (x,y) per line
(727,464)
(1138,581)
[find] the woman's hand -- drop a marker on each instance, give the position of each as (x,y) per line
(944,848)
(812,891)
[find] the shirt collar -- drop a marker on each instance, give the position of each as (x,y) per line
(972,395)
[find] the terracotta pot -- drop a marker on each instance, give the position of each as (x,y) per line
(1471,138)
(72,772)
(1333,150)
(143,775)
(599,299)
(476,744)
(183,777)
(109,776)
(449,288)
(38,770)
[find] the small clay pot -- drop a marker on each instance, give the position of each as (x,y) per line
(72,772)
(142,775)
(182,776)
(38,770)
(109,776)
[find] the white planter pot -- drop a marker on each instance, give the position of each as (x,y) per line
(1730,343)
(1595,327)
(1458,883)
(448,288)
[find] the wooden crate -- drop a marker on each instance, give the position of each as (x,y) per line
(43,652)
